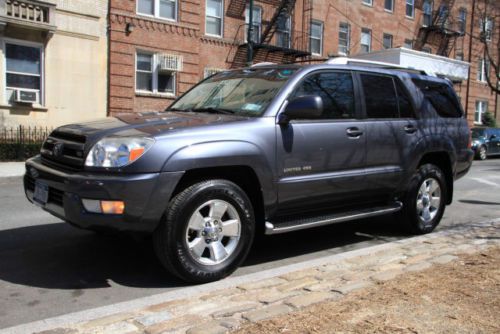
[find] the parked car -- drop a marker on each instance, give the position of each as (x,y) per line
(485,142)
(267,149)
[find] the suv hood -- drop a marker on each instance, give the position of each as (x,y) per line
(148,124)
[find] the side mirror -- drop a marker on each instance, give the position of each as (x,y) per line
(493,136)
(303,107)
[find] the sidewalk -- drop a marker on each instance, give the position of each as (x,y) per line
(229,304)
(11,169)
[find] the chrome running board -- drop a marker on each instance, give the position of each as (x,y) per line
(309,222)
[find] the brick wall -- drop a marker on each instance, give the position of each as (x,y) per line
(187,37)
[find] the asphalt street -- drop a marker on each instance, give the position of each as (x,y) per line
(48,268)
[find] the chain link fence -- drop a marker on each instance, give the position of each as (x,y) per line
(21,142)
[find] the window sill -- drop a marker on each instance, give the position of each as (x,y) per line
(158,18)
(389,11)
(410,17)
(31,107)
(157,95)
(367,4)
(213,36)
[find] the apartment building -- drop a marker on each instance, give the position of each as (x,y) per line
(53,61)
(160,48)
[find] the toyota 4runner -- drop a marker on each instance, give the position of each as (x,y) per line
(269,148)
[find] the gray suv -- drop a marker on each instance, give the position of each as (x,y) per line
(266,149)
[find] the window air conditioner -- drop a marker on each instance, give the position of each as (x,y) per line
(25,96)
(169,62)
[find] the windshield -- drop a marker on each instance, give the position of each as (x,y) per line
(246,92)
(477,133)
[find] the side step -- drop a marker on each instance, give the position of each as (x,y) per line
(303,223)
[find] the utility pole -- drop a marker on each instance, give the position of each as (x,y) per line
(249,34)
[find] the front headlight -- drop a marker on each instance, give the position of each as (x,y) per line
(117,151)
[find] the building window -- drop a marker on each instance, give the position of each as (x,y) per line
(283,31)
(367,2)
(387,41)
(344,38)
(410,8)
(486,28)
(427,13)
(462,20)
(165,9)
(389,5)
(459,56)
(316,38)
(483,69)
(149,77)
(408,44)
(23,72)
(481,108)
(366,40)
(257,23)
(427,50)
(213,18)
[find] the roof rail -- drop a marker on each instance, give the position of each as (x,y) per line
(371,63)
(265,63)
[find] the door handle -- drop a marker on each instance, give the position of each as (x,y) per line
(354,132)
(410,129)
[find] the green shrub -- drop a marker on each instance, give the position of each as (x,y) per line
(18,152)
(489,120)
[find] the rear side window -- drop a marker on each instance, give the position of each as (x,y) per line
(336,90)
(380,97)
(441,96)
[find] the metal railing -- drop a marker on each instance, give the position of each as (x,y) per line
(21,142)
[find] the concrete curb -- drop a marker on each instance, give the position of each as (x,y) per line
(279,283)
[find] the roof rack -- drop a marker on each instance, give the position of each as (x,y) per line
(371,63)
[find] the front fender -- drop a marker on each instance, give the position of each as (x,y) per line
(226,153)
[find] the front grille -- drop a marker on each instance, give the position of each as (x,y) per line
(56,196)
(64,149)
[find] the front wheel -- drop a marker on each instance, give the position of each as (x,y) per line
(481,153)
(207,231)
(424,202)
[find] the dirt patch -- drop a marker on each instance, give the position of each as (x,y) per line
(459,297)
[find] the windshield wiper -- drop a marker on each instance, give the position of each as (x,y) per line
(215,110)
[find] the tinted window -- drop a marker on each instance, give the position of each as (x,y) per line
(405,108)
(441,96)
(380,96)
(336,90)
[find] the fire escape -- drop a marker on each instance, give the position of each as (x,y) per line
(278,43)
(438,27)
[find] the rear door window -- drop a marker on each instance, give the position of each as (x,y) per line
(380,96)
(405,107)
(441,96)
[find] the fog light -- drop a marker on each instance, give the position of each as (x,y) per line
(107,207)
(112,207)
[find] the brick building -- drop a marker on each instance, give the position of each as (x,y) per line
(160,48)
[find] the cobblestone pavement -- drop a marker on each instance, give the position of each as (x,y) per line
(220,310)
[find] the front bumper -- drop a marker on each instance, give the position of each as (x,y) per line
(145,195)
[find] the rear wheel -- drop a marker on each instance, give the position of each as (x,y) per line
(424,202)
(207,231)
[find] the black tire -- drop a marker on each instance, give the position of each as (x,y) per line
(481,153)
(170,238)
(414,220)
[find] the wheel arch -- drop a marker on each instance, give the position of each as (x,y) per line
(242,175)
(442,160)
